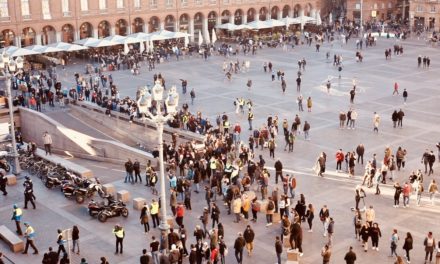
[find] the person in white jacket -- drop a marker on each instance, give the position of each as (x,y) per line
(47,141)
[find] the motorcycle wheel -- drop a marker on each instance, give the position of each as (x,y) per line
(102,217)
(124,212)
(79,199)
(91,213)
(48,184)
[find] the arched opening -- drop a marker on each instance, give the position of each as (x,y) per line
(138,25)
(85,30)
(7,38)
(170,23)
(121,27)
(184,23)
(48,35)
(212,20)
(67,33)
(296,10)
(263,14)
(154,24)
(286,11)
(274,12)
(103,29)
(198,25)
(251,15)
(28,37)
(308,9)
(238,17)
(225,16)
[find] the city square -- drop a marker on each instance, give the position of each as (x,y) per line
(375,79)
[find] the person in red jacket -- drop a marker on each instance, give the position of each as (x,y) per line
(180,212)
(339,160)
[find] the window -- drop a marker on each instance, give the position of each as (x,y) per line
(225,1)
(419,8)
(137,3)
(383,5)
(169,3)
(153,3)
(199,2)
(25,8)
(390,5)
(213,2)
(84,5)
(4,10)
(45,7)
(375,6)
(102,4)
(120,4)
(432,8)
(184,2)
(357,6)
(65,6)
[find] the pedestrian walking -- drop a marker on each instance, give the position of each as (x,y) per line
(17,214)
(154,212)
(350,257)
(394,240)
(324,215)
(239,246)
(376,122)
(193,95)
(429,244)
(119,233)
(330,231)
(3,183)
(326,254)
(405,96)
(144,218)
(75,239)
(433,190)
(396,88)
(28,192)
(137,171)
(249,236)
(278,248)
(309,104)
(29,234)
(375,235)
(408,245)
(310,215)
(129,171)
(47,141)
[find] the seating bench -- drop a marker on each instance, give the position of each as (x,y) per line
(13,240)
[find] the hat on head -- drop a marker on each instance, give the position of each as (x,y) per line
(15,206)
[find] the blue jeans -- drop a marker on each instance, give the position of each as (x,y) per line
(129,177)
(405,200)
(292,192)
(279,258)
(155,256)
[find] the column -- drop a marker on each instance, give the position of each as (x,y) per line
(58,36)
(76,35)
(205,31)
(279,14)
(218,20)
(38,39)
(301,12)
(244,19)
(176,26)
(313,13)
(146,28)
(162,25)
(112,31)
(95,33)
(18,41)
(129,29)
(291,12)
(232,19)
(191,29)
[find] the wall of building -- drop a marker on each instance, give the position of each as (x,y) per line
(189,16)
(372,10)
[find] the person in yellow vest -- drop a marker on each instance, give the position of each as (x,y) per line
(154,212)
(119,233)
(29,233)
(17,213)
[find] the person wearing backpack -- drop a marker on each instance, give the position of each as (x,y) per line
(269,211)
(429,244)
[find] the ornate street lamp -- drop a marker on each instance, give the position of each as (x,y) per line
(10,66)
(159,118)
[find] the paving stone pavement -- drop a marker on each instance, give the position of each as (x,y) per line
(375,78)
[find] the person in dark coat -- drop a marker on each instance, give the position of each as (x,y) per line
(145,259)
(408,245)
(278,249)
(238,246)
(350,257)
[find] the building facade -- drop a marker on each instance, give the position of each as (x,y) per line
(372,10)
(29,22)
(423,14)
